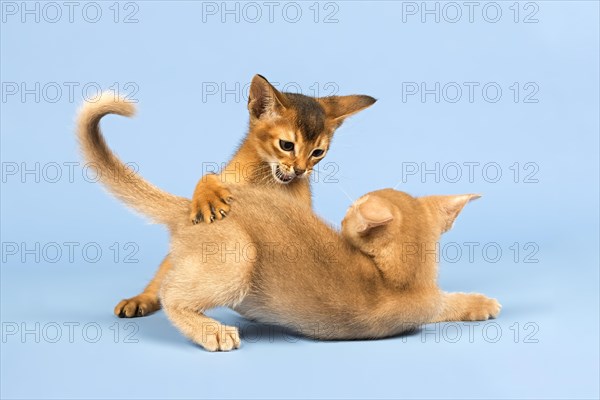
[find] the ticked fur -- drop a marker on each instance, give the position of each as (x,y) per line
(375,278)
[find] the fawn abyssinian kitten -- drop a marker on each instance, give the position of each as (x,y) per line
(288,135)
(374,279)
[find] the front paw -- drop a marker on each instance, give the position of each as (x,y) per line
(210,203)
(217,337)
(482,308)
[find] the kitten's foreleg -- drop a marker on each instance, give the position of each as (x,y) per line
(185,298)
(467,307)
(205,331)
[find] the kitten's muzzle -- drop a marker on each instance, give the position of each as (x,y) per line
(281,176)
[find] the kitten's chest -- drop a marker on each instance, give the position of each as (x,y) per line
(300,191)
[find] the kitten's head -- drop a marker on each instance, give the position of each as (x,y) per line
(291,132)
(389,217)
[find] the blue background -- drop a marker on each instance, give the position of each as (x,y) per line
(168,54)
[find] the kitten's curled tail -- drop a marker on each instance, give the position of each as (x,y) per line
(125,184)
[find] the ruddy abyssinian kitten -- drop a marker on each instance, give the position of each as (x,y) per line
(375,278)
(288,135)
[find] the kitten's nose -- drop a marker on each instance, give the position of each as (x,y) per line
(298,171)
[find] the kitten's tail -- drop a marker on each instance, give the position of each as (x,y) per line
(125,184)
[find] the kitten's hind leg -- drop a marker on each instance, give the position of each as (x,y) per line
(146,302)
(467,307)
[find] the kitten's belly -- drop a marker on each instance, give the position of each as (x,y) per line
(309,318)
(313,319)
(270,312)
(256,310)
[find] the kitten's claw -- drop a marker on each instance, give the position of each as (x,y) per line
(211,201)
(200,218)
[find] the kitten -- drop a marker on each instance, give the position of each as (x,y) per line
(288,135)
(376,278)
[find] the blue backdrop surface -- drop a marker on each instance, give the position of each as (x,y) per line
(498,98)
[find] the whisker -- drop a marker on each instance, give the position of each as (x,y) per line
(347,195)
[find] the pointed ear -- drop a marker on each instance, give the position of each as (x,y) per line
(263,99)
(338,108)
(371,213)
(450,206)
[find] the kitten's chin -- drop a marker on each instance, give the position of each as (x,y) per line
(282,177)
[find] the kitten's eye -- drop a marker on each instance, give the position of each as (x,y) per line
(318,152)
(285,145)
